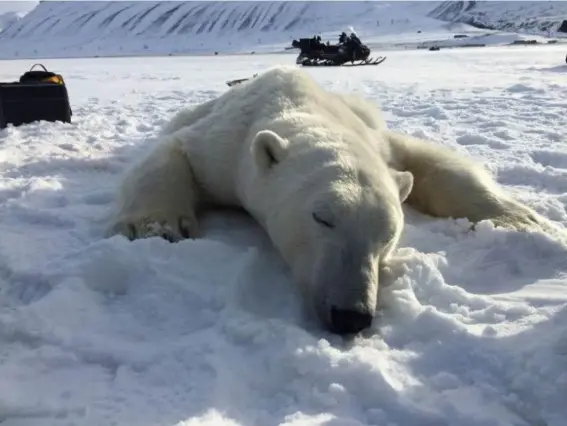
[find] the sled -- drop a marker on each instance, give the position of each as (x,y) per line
(326,63)
(238,81)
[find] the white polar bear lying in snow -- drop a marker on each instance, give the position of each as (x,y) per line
(320,172)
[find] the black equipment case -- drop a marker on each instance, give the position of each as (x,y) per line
(39,95)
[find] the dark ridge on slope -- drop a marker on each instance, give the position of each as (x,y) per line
(66,29)
(173,17)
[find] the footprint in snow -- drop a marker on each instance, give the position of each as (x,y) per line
(469,139)
(555,159)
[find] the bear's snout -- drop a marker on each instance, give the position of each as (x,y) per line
(348,321)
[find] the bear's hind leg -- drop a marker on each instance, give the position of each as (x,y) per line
(448,184)
(158,196)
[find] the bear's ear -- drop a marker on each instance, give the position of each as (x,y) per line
(268,149)
(404,180)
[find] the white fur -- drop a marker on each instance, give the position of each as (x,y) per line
(297,157)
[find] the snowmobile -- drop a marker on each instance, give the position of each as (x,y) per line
(239,80)
(349,49)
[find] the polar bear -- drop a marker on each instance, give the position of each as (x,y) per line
(320,172)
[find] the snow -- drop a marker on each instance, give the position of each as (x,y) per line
(472,328)
(12,11)
(531,17)
(89,28)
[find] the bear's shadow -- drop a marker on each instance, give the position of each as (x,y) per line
(487,261)
(557,68)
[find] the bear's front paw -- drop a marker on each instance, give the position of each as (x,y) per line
(172,227)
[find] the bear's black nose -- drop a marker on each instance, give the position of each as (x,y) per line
(346,321)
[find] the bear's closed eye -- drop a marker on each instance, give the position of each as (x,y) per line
(325,222)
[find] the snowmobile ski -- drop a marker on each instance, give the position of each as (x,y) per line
(326,63)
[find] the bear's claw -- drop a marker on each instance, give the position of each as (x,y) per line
(527,222)
(172,228)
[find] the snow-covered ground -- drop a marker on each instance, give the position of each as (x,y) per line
(472,328)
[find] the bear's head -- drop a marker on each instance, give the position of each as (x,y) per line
(335,216)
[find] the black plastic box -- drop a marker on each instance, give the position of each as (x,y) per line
(22,103)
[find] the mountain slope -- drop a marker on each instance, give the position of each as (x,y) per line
(111,28)
(8,18)
(12,11)
(166,18)
(535,17)
(168,27)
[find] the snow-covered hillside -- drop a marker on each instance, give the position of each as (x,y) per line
(110,28)
(57,28)
(12,11)
(535,17)
(8,18)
